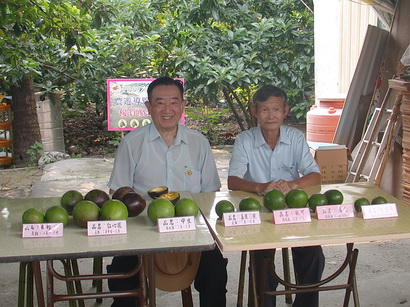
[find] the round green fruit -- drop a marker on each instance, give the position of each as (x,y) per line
(160,208)
(317,199)
(32,216)
(186,207)
(274,200)
(249,204)
(85,211)
(297,198)
(114,209)
(359,203)
(334,197)
(56,214)
(379,200)
(223,206)
(70,199)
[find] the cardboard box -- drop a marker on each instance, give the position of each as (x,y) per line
(332,161)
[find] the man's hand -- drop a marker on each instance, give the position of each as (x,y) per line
(286,186)
(281,185)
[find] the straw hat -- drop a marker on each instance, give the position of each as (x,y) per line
(175,271)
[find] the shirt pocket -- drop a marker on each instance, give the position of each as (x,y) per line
(192,180)
(290,171)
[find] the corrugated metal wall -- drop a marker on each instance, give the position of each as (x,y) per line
(355,16)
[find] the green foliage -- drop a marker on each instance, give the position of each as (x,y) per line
(225,49)
(249,45)
(116,140)
(209,119)
(32,32)
(35,152)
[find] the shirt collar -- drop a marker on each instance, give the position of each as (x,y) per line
(260,140)
(181,135)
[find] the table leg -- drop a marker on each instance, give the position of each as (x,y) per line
(70,284)
(355,293)
(39,283)
(22,284)
(30,286)
(77,284)
(30,277)
(352,281)
(239,302)
(286,273)
(144,283)
(97,269)
(149,258)
(253,295)
(50,286)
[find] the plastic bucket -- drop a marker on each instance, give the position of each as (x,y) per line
(322,121)
(50,120)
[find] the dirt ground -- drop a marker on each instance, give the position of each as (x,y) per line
(18,182)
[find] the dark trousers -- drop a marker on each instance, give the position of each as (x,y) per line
(123,264)
(308,262)
(210,280)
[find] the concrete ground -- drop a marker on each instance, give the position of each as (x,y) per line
(383,269)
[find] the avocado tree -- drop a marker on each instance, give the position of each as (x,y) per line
(31,33)
(226,49)
(72,46)
(125,46)
(223,49)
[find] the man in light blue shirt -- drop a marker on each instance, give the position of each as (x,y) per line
(254,160)
(143,161)
(166,153)
(274,156)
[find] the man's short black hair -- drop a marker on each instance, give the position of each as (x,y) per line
(267,91)
(165,81)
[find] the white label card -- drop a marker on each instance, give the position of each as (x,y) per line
(330,212)
(289,216)
(106,228)
(43,230)
(181,223)
(379,211)
(241,218)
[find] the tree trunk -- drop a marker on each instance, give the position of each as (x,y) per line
(26,129)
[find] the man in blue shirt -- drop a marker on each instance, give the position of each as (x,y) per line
(274,156)
(165,153)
